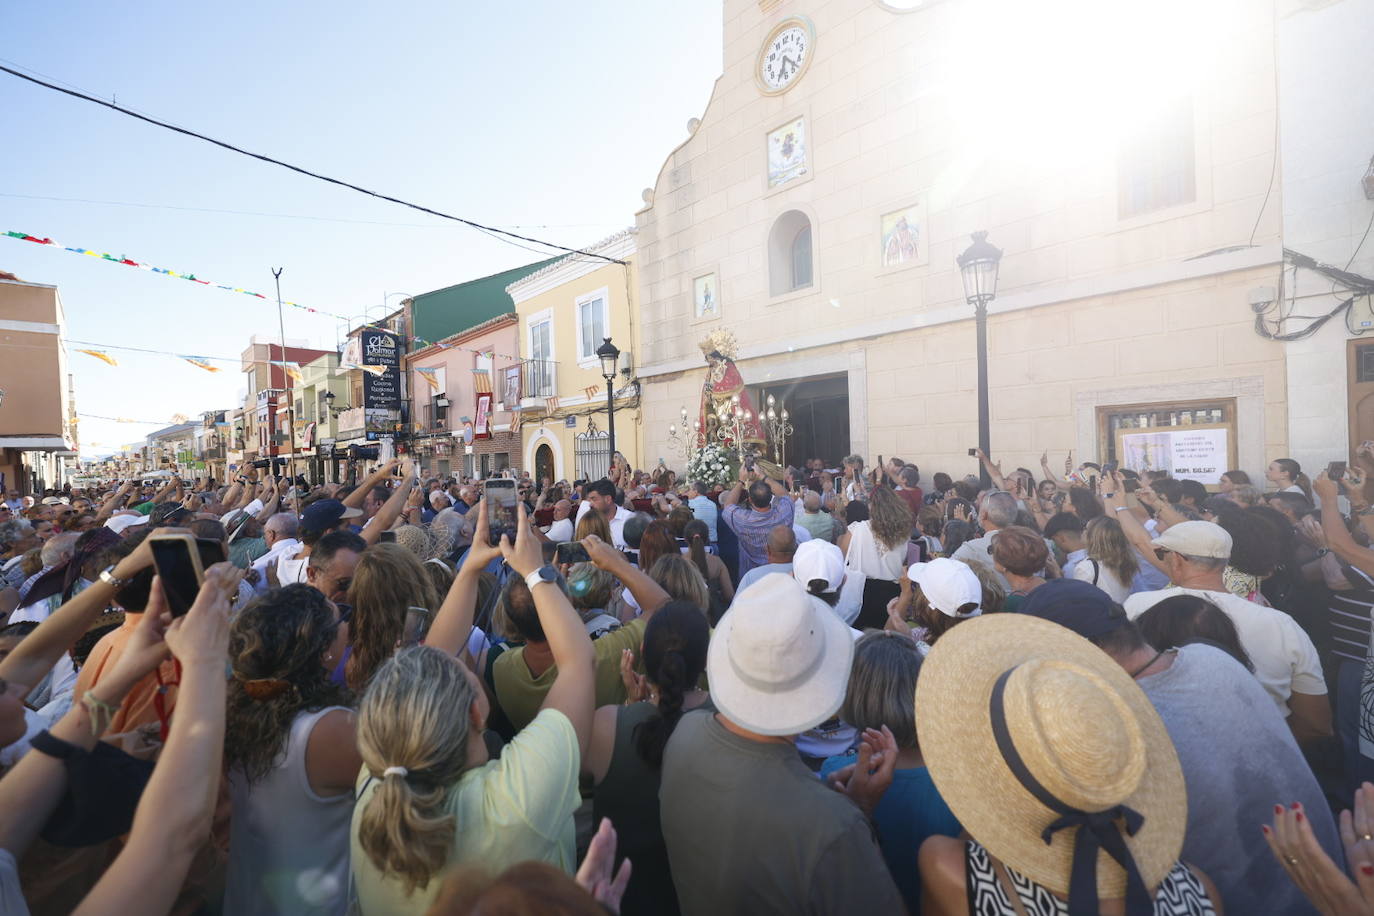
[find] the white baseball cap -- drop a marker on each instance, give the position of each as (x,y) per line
(779,661)
(948,585)
(818,559)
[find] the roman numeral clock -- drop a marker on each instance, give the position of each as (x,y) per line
(785,55)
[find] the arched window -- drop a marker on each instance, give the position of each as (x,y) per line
(790,254)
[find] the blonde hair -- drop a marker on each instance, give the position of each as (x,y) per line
(1107,545)
(680,578)
(414,715)
(593,523)
(389,579)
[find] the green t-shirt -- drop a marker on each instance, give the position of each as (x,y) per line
(521,694)
(145,508)
(517,808)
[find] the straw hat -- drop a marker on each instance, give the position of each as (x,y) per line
(420,541)
(1084,732)
(779,660)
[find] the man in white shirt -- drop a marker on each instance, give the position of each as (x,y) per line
(601,498)
(280,534)
(999,511)
(1286,662)
(562,529)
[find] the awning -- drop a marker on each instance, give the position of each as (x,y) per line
(35,443)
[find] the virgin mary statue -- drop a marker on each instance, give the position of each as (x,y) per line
(723,385)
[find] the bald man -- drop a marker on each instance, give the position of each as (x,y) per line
(782,545)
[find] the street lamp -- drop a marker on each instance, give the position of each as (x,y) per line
(609,355)
(978,265)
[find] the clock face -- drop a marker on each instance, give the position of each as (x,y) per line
(784,57)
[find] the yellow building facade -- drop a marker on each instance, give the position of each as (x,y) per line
(566,310)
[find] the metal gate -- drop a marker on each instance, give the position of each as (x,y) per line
(592,453)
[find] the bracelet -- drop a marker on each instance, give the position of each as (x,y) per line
(1109,495)
(1121,508)
(101,713)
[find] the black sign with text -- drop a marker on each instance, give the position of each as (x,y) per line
(381,392)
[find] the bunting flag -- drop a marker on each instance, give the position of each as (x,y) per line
(293,370)
(551,403)
(200,362)
(418,342)
(591,390)
(482,379)
(370,370)
(100,355)
(179,418)
(429,375)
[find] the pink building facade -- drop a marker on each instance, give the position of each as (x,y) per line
(463,389)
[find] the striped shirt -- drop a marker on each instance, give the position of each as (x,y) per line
(1348,615)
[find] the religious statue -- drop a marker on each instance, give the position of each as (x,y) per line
(723,392)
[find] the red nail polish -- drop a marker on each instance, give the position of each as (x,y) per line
(1297,806)
(1278,809)
(1367,869)
(1265,828)
(1299,816)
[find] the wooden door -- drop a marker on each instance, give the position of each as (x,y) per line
(1360,391)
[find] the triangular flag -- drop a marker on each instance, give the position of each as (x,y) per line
(200,363)
(431,376)
(100,355)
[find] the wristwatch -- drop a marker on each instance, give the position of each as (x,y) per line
(541,575)
(109,578)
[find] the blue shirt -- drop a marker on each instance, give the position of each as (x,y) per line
(909,813)
(758,572)
(705,510)
(752,528)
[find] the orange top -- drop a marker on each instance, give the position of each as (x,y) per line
(139,707)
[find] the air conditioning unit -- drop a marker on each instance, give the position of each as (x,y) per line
(626,363)
(441,402)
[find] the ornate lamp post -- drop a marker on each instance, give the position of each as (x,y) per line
(779,428)
(979,264)
(681,439)
(609,355)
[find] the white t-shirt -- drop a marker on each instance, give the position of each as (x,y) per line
(622,515)
(561,531)
(1088,570)
(1285,660)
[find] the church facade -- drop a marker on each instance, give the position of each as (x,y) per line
(849,150)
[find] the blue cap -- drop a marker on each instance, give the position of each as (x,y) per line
(325,514)
(1080,606)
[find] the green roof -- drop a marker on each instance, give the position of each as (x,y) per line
(445,312)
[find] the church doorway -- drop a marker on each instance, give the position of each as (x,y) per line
(543,464)
(818,409)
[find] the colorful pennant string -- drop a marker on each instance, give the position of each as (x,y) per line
(416,342)
(200,362)
(100,355)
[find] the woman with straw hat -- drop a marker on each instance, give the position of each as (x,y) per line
(1062,773)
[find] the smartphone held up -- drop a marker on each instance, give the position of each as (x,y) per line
(181,560)
(499,493)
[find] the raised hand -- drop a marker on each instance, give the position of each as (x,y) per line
(636,684)
(595,874)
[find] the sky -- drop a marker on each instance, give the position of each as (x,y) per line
(549,116)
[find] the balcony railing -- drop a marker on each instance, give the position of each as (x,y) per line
(539,378)
(434,417)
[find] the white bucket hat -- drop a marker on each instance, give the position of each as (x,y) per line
(778,662)
(119,523)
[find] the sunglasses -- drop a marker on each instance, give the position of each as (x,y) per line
(1161,553)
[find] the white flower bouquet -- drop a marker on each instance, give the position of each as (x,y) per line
(714,465)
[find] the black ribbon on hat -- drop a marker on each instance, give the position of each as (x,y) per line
(1097,829)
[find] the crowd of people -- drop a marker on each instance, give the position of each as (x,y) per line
(823,690)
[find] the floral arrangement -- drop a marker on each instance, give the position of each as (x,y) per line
(712,464)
